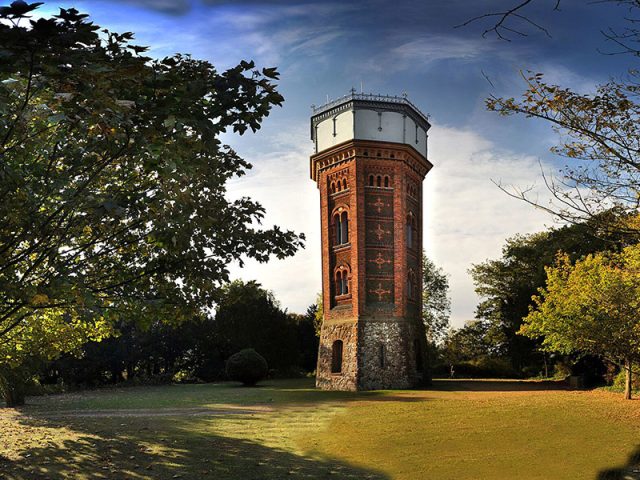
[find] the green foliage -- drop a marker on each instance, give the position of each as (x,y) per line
(591,307)
(479,367)
(248,316)
(319,313)
(467,343)
(436,305)
(112,178)
(247,366)
(620,379)
(506,285)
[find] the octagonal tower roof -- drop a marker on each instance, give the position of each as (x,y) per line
(365,116)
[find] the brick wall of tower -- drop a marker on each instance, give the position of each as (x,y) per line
(378,310)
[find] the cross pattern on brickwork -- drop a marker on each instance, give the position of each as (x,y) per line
(380,291)
(381,232)
(378,204)
(379,260)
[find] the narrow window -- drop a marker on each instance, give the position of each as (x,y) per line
(381,356)
(344,228)
(335,133)
(386,182)
(418,353)
(379,181)
(336,357)
(333,187)
(338,227)
(409,231)
(344,184)
(371,180)
(344,286)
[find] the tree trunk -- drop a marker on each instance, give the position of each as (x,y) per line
(627,380)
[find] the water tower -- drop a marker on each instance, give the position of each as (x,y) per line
(369,163)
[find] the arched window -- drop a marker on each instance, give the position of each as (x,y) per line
(386,182)
(381,356)
(333,187)
(338,228)
(344,222)
(371,180)
(344,183)
(342,282)
(379,181)
(411,231)
(336,357)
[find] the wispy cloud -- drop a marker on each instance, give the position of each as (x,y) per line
(468,218)
(418,53)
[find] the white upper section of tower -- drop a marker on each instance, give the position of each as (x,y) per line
(369,117)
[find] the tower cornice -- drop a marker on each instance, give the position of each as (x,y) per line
(355,101)
(373,150)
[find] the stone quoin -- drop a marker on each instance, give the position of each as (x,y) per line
(369,164)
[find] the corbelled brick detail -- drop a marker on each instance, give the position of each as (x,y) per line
(378,184)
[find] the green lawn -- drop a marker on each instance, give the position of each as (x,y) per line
(459,430)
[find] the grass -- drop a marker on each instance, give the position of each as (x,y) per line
(286,429)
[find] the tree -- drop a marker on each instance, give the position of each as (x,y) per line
(467,343)
(436,305)
(249,316)
(507,284)
(600,132)
(112,179)
(591,307)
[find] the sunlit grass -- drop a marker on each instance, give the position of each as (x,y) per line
(459,430)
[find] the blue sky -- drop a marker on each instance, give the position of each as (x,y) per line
(323,48)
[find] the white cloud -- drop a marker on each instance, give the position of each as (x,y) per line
(280,182)
(423,51)
(467,218)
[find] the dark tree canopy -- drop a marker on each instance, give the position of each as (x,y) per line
(112,180)
(506,285)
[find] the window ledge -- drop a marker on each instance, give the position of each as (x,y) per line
(346,296)
(341,246)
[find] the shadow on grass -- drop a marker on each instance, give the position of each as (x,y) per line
(630,471)
(271,393)
(175,449)
(496,385)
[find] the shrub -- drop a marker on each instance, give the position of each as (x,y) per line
(247,366)
(620,378)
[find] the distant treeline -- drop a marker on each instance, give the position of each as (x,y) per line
(247,316)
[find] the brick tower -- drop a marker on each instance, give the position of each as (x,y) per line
(369,163)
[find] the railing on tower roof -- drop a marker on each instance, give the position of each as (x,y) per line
(369,97)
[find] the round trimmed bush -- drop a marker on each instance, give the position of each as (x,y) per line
(247,366)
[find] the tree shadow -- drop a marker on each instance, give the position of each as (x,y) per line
(497,385)
(177,448)
(629,471)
